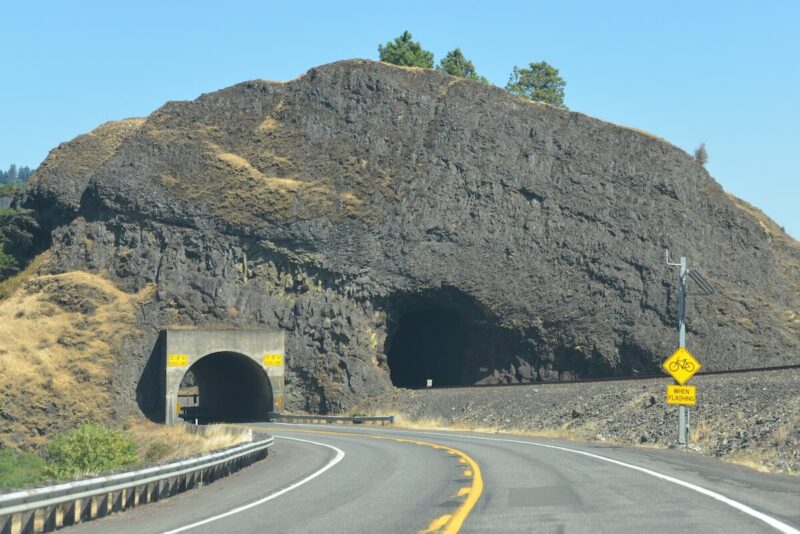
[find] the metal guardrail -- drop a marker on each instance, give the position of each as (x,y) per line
(289,418)
(48,508)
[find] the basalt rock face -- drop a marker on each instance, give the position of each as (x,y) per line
(376,213)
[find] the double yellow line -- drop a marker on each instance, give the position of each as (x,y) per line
(447,523)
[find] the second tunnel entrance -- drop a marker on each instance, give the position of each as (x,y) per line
(446,336)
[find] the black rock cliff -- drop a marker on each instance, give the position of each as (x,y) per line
(400,224)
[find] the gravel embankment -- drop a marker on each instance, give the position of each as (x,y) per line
(753,419)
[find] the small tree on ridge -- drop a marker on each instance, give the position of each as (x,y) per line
(700,154)
(539,82)
(455,64)
(405,52)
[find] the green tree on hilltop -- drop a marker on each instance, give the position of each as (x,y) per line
(405,52)
(455,64)
(540,82)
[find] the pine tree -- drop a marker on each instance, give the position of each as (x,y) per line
(539,82)
(455,64)
(403,51)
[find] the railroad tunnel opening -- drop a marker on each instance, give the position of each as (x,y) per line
(226,387)
(428,344)
(446,336)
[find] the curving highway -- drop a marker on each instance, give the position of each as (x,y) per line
(363,479)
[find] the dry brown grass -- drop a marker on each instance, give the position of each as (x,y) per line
(429,423)
(56,362)
(86,152)
(757,459)
(10,285)
(159,443)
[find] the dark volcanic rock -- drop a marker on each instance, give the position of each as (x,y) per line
(388,217)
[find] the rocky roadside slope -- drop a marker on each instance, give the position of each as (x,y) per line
(344,206)
(752,419)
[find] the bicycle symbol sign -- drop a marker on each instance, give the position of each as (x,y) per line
(681,365)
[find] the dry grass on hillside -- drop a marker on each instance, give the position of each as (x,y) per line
(159,443)
(59,339)
(431,423)
(88,151)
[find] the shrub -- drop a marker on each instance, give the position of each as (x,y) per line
(89,449)
(19,468)
(701,154)
(157,450)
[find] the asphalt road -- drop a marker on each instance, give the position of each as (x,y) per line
(364,479)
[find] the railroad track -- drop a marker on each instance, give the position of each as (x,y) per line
(621,378)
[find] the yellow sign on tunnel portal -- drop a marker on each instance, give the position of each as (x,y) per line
(273,360)
(177,360)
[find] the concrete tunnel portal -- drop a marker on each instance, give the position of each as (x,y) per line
(222,375)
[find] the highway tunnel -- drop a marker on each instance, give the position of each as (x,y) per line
(230,387)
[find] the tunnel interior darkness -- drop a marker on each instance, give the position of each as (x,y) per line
(429,343)
(231,387)
(445,335)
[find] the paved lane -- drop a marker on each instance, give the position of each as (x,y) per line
(380,485)
(536,485)
(528,485)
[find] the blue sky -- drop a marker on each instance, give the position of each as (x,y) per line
(726,73)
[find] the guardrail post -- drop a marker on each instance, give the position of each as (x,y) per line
(68,513)
(48,523)
(5,523)
(27,521)
(130,498)
(103,503)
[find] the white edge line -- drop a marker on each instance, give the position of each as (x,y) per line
(336,459)
(771,521)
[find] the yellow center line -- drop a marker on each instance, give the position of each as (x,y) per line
(447,523)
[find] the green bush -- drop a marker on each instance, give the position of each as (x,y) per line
(157,450)
(19,468)
(89,449)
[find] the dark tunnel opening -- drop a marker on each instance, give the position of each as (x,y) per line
(428,344)
(446,336)
(230,387)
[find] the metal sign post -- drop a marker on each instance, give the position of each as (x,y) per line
(683,411)
(683,369)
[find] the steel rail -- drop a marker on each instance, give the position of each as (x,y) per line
(613,378)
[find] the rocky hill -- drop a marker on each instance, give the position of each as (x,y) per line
(401,224)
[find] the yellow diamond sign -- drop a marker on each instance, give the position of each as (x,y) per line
(681,365)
